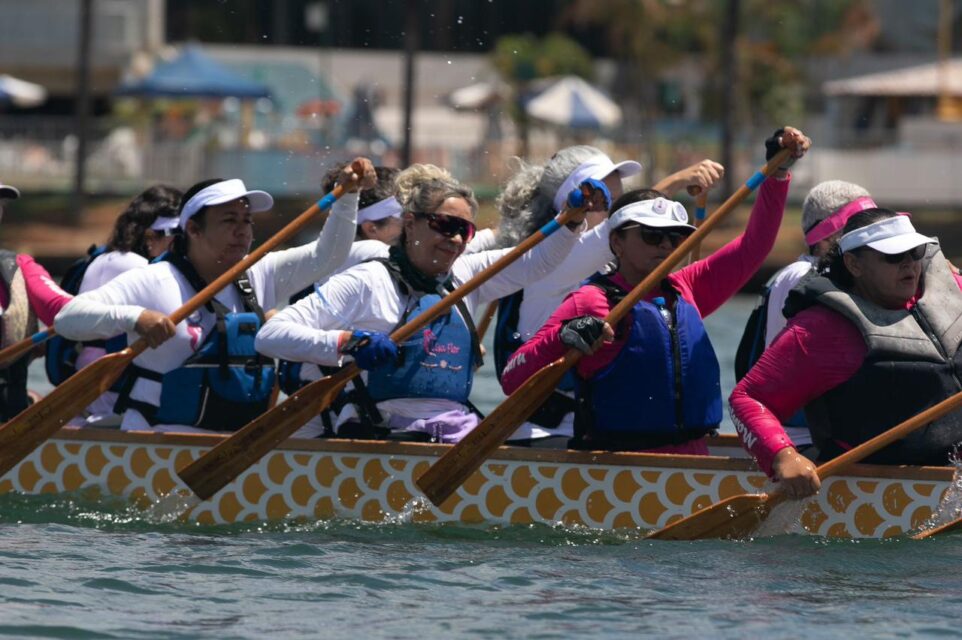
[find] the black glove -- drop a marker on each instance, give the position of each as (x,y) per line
(773,145)
(582,332)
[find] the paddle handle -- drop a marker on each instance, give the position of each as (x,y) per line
(15,351)
(660,272)
(867,448)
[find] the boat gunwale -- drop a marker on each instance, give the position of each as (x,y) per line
(504,453)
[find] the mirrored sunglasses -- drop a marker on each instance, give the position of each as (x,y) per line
(448,226)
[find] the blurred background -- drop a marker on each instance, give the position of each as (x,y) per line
(102,98)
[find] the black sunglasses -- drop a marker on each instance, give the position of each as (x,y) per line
(896,258)
(655,237)
(448,226)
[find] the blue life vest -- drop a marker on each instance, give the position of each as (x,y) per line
(60,357)
(225,384)
(662,388)
(437,362)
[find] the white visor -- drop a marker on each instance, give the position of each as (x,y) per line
(379,210)
(891,236)
(597,168)
(165,224)
(658,212)
(9,193)
(221,192)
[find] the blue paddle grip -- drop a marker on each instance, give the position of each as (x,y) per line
(700,213)
(755,180)
(39,337)
(550,227)
(326,202)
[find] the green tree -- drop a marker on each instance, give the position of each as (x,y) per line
(522,59)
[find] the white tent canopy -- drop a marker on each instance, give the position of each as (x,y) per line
(20,92)
(572,102)
(921,80)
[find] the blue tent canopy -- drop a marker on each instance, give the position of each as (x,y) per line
(193,74)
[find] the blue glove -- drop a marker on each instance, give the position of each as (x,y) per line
(586,189)
(371,349)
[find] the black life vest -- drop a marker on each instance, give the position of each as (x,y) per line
(225,384)
(913,362)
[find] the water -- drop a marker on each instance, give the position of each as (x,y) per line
(74,567)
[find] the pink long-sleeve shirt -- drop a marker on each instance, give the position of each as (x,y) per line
(45,296)
(705,284)
(818,350)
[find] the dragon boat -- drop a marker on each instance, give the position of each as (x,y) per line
(375,481)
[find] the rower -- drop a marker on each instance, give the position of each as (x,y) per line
(143,231)
(27,294)
(871,341)
(423,395)
(529,199)
(203,375)
(825,210)
(653,385)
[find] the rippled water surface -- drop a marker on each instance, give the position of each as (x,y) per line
(76,567)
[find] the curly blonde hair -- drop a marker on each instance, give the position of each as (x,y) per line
(424,187)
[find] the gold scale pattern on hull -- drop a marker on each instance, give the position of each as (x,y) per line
(376,482)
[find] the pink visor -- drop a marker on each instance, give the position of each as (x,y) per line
(837,220)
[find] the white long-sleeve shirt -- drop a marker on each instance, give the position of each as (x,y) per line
(590,254)
(115,307)
(366,298)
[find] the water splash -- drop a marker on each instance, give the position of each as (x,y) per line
(950,506)
(412,509)
(784,518)
(173,507)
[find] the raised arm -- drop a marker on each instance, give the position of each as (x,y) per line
(43,294)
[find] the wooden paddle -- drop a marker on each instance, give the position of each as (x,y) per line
(212,471)
(701,202)
(738,516)
(15,351)
(28,430)
(489,312)
(454,467)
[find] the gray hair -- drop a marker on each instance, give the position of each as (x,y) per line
(826,198)
(526,203)
(424,187)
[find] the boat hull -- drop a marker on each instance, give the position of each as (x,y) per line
(375,481)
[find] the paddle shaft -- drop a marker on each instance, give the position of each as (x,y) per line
(701,203)
(27,431)
(489,312)
(216,468)
(454,467)
(11,353)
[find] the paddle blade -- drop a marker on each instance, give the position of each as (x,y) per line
(447,474)
(731,519)
(948,527)
(215,469)
(27,431)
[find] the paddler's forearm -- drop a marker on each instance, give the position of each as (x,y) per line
(84,318)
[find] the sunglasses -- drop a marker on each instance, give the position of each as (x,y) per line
(896,258)
(655,237)
(448,226)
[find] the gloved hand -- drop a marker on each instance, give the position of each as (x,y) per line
(785,138)
(370,349)
(582,332)
(586,190)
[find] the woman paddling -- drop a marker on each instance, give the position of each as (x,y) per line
(825,210)
(142,232)
(653,384)
(530,199)
(27,294)
(423,394)
(203,374)
(870,342)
